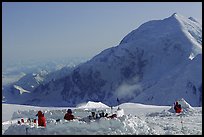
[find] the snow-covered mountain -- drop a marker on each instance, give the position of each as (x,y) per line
(156,64)
(27,84)
(32,80)
(29,70)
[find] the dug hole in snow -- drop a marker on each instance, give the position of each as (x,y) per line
(121,125)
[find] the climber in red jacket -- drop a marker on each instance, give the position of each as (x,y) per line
(177,107)
(68,115)
(41,119)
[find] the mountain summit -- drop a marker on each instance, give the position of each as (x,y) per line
(156,63)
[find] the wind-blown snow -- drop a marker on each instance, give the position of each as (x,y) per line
(21,90)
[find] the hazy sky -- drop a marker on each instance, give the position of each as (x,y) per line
(77,29)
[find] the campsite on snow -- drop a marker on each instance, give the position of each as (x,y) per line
(134,118)
(148,83)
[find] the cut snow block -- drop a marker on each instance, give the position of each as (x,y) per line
(120,112)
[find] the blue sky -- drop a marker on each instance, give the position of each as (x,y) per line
(32,30)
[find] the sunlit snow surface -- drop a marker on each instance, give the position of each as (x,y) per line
(139,119)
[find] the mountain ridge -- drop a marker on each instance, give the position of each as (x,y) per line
(147,59)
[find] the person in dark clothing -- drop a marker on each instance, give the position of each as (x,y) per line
(92,116)
(68,115)
(177,107)
(106,115)
(112,116)
(102,114)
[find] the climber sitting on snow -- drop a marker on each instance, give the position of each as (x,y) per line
(68,115)
(177,107)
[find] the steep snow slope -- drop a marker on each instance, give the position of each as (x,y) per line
(182,82)
(156,63)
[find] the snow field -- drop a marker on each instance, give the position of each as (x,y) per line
(152,120)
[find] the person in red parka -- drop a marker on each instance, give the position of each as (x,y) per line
(41,119)
(68,115)
(177,107)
